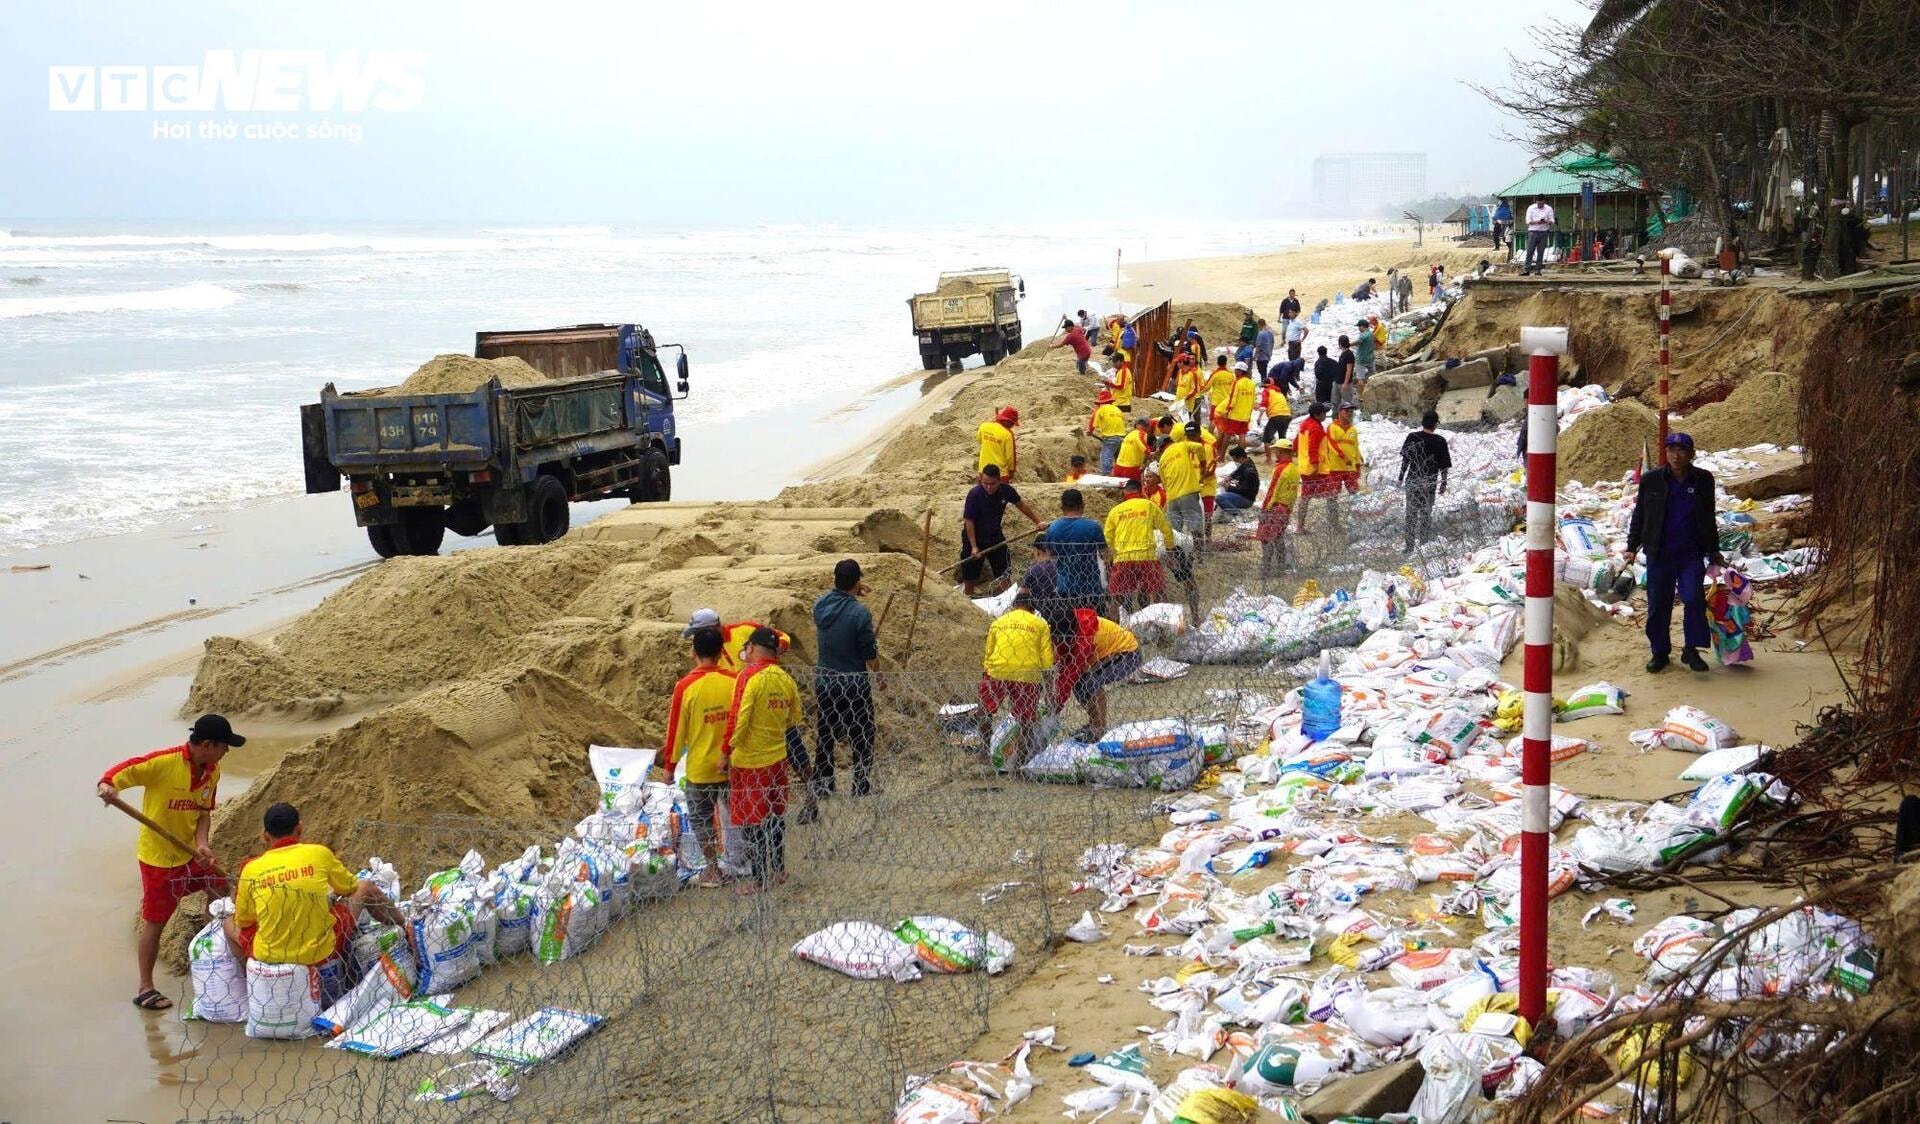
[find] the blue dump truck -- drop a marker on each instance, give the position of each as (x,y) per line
(599,425)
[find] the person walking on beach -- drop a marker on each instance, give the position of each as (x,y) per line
(1279,411)
(1075,337)
(1364,342)
(1283,491)
(1290,308)
(1262,349)
(1013,673)
(849,653)
(177,786)
(1347,365)
(761,737)
(1425,461)
(997,447)
(1403,292)
(1502,223)
(1248,328)
(1296,338)
(1673,521)
(1539,233)
(983,542)
(1326,377)
(1135,579)
(1108,426)
(1076,543)
(696,721)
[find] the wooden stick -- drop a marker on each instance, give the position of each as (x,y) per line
(1021,537)
(142,819)
(926,543)
(885,608)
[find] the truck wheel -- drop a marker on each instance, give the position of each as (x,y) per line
(547,513)
(932,360)
(466,518)
(656,479)
(381,536)
(508,534)
(1013,344)
(421,530)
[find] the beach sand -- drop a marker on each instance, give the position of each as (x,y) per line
(102,666)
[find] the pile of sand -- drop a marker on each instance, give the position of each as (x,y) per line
(463,374)
(1607,442)
(1764,406)
(1218,321)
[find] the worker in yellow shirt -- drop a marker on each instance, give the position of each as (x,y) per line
(1209,482)
(696,727)
(1076,468)
(997,443)
(1108,426)
(1135,447)
(1135,579)
(1316,477)
(1120,385)
(1219,387)
(1183,465)
(1283,491)
(1240,401)
(1019,654)
(1150,488)
(285,909)
(177,792)
(1098,654)
(1187,385)
(1273,400)
(762,732)
(1343,448)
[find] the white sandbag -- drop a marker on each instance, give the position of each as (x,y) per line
(1733,759)
(219,977)
(1155,737)
(539,1037)
(1592,699)
(1718,804)
(459,883)
(390,980)
(443,937)
(1693,730)
(617,769)
(860,949)
(945,945)
(1162,620)
(1450,731)
(1061,762)
(567,917)
(282,1000)
(1450,1091)
(398,1029)
(512,904)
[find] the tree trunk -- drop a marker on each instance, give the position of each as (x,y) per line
(1839,171)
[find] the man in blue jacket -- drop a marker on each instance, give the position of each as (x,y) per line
(842,691)
(1673,521)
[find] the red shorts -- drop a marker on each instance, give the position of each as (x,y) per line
(1136,577)
(1324,484)
(1273,523)
(1127,473)
(162,887)
(1206,505)
(1350,480)
(1022,699)
(1230,428)
(343,925)
(755,796)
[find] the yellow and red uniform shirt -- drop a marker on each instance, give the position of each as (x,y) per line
(1240,400)
(1182,464)
(1219,385)
(1019,648)
(1107,421)
(1130,528)
(733,646)
(1186,386)
(1122,386)
(1343,448)
(1209,462)
(1284,489)
(997,447)
(1310,448)
(1110,639)
(697,724)
(766,704)
(285,894)
(175,794)
(1133,451)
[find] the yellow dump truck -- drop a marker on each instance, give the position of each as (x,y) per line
(975,310)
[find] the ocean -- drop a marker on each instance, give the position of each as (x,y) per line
(148,372)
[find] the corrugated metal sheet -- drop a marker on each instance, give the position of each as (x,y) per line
(1150,328)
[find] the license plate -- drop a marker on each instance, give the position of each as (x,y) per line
(366,499)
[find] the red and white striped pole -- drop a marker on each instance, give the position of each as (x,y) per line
(1544,347)
(1666,333)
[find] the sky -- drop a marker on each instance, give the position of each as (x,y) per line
(712,114)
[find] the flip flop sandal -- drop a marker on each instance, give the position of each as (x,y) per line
(152,1000)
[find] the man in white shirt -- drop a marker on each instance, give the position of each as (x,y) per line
(1539,230)
(1296,336)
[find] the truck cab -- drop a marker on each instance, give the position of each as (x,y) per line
(970,311)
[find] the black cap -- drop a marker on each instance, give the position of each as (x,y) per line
(215,728)
(847,573)
(764,637)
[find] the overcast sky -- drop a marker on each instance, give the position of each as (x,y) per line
(720,113)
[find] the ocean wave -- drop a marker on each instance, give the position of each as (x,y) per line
(33,279)
(504,238)
(183,298)
(548,231)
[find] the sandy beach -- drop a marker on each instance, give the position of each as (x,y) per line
(100,666)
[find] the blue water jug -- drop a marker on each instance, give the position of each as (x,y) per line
(1320,704)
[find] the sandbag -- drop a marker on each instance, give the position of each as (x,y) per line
(617,770)
(443,937)
(1594,698)
(390,980)
(282,1000)
(219,977)
(945,945)
(860,949)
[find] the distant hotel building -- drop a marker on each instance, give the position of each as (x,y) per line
(1360,183)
